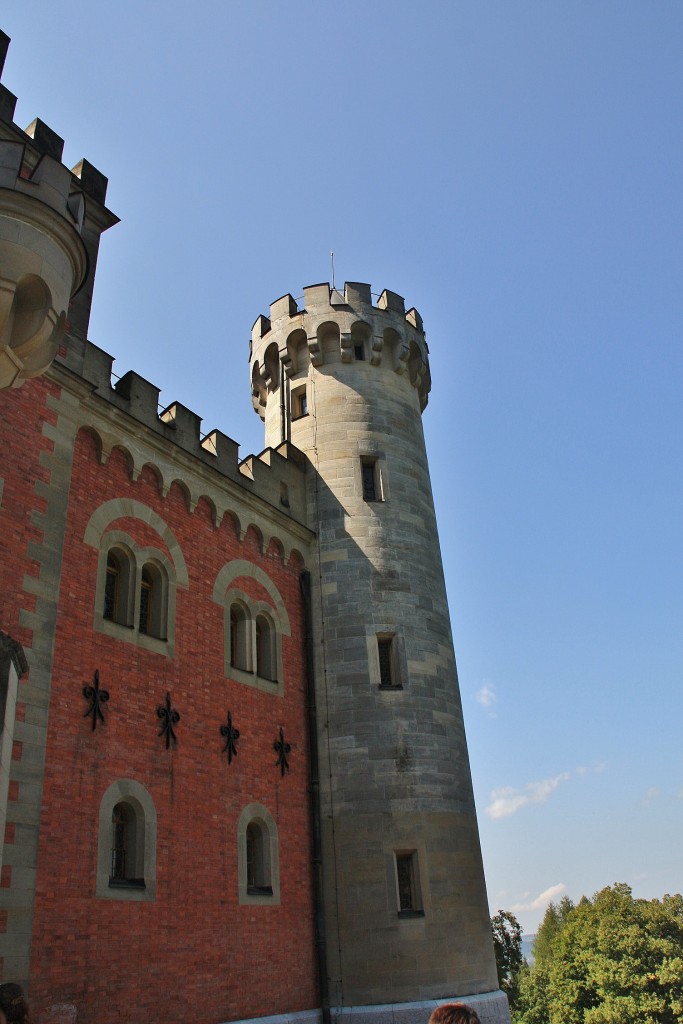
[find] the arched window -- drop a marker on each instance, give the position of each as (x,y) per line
(257,856)
(240,645)
(258,861)
(126,866)
(146,601)
(265,648)
(117,586)
(126,859)
(152,612)
(135,591)
(253,629)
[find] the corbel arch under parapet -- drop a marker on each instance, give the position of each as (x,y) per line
(297,351)
(361,339)
(329,341)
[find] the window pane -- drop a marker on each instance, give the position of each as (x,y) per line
(369,489)
(384,649)
(406,887)
(111,589)
(145,604)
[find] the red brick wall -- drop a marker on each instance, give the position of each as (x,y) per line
(194,954)
(22,414)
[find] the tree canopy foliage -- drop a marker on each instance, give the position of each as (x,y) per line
(612,959)
(507,946)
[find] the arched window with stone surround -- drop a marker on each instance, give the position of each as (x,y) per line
(135,591)
(152,614)
(254,629)
(126,846)
(266,664)
(120,571)
(258,868)
(240,638)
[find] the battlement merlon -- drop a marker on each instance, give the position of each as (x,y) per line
(33,174)
(381,334)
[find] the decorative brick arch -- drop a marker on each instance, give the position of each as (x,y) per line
(172,573)
(119,508)
(240,567)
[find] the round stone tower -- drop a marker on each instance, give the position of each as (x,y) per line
(345,381)
(42,251)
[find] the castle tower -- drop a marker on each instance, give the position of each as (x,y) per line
(404,895)
(51,219)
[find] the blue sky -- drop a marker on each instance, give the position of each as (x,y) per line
(514,170)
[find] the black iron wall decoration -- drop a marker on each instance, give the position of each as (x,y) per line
(282,749)
(169,717)
(231,736)
(97,698)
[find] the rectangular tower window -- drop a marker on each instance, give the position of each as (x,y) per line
(299,403)
(371,491)
(409,900)
(386,674)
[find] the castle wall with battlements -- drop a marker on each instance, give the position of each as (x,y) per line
(82,474)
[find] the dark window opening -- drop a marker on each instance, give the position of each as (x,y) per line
(386,674)
(258,877)
(299,403)
(122,852)
(239,651)
(265,667)
(408,891)
(359,351)
(146,602)
(369,475)
(111,588)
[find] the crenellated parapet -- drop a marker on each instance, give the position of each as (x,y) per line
(51,218)
(266,491)
(333,327)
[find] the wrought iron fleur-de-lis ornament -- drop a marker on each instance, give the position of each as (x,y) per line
(282,749)
(97,698)
(231,737)
(169,717)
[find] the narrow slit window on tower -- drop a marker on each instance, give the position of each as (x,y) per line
(369,474)
(407,880)
(387,670)
(299,403)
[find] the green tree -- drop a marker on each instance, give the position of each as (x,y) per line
(609,960)
(507,946)
(552,924)
(532,1000)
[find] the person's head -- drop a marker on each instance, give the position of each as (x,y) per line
(454,1013)
(13,1004)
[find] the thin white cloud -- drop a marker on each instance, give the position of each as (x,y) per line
(486,696)
(597,768)
(507,800)
(541,901)
(650,796)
